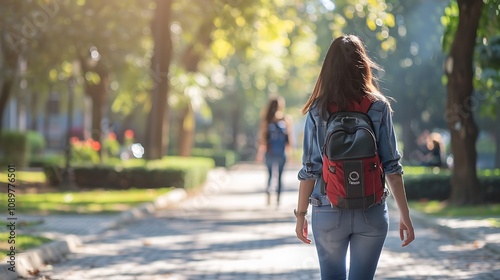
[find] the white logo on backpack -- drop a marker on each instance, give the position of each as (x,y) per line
(354,178)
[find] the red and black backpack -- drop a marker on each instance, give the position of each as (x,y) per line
(352,171)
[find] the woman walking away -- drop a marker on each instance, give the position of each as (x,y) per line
(274,141)
(347,191)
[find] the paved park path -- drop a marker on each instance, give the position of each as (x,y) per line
(228,232)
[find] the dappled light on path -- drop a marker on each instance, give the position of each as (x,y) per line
(230,233)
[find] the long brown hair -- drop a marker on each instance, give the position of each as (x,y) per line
(346,76)
(273,112)
(274,109)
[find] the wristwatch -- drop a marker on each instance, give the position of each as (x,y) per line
(297,214)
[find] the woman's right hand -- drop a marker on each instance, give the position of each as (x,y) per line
(301,229)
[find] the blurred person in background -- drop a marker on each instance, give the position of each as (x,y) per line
(436,153)
(274,142)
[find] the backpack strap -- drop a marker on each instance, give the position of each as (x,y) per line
(365,104)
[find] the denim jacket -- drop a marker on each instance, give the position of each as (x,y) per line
(314,137)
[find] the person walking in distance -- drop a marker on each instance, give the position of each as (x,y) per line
(349,153)
(274,141)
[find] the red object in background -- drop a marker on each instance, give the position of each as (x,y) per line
(95,145)
(129,134)
(112,136)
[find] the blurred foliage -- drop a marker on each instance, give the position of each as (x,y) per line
(421,170)
(230,56)
(14,149)
(442,209)
(25,177)
(180,172)
(489,172)
(487,55)
(85,151)
(434,184)
(487,80)
(221,158)
(36,143)
(111,146)
(24,242)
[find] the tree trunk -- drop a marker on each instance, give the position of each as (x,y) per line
(34,112)
(157,126)
(4,97)
(186,130)
(10,59)
(497,142)
(194,53)
(97,93)
(97,111)
(465,187)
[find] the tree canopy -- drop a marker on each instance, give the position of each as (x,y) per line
(227,57)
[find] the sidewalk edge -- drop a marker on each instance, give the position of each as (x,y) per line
(27,263)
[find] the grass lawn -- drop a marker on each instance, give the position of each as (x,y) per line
(23,242)
(25,176)
(91,202)
(85,202)
(22,224)
(441,209)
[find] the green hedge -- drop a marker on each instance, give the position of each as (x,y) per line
(176,172)
(36,143)
(14,148)
(434,184)
(53,174)
(427,186)
(221,158)
(52,166)
(21,147)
